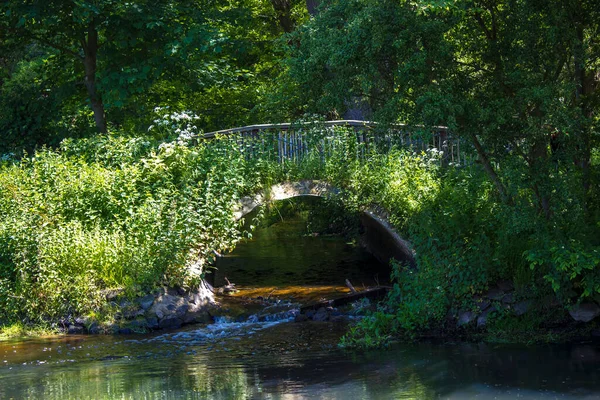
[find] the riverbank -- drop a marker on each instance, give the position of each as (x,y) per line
(499,315)
(500,319)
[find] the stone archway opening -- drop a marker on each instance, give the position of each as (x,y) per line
(379,237)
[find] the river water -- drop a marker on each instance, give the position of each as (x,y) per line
(251,353)
(289,360)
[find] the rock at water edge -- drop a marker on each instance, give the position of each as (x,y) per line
(465,318)
(321,315)
(170,322)
(584,312)
(146,302)
(521,307)
(483,317)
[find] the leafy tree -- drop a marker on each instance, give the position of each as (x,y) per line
(126,58)
(115,48)
(516,78)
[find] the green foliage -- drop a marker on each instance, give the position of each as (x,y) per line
(18,330)
(502,327)
(36,107)
(112,212)
(498,74)
(135,213)
(514,80)
(66,65)
(569,268)
(373,331)
(465,241)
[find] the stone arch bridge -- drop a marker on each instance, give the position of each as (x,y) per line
(288,142)
(380,237)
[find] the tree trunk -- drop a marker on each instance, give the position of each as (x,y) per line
(312,6)
(586,84)
(487,166)
(90,50)
(538,166)
(283,10)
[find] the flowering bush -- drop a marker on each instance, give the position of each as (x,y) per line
(169,124)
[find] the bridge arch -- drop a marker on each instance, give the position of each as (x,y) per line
(380,238)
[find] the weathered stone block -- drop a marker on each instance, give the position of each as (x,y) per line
(146,302)
(197,317)
(495,294)
(75,330)
(483,317)
(152,323)
(522,307)
(321,315)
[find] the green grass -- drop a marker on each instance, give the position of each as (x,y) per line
(18,330)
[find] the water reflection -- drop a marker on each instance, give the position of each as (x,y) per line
(293,361)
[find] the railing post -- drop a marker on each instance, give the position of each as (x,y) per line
(444,147)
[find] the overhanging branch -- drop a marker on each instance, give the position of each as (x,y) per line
(66,50)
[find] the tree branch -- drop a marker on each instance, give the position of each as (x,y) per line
(487,165)
(481,23)
(474,66)
(48,43)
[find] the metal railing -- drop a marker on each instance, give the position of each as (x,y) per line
(292,141)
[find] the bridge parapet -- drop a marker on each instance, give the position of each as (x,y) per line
(293,141)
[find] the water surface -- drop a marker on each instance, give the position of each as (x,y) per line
(262,354)
(290,360)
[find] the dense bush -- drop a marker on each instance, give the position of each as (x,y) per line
(113,212)
(466,240)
